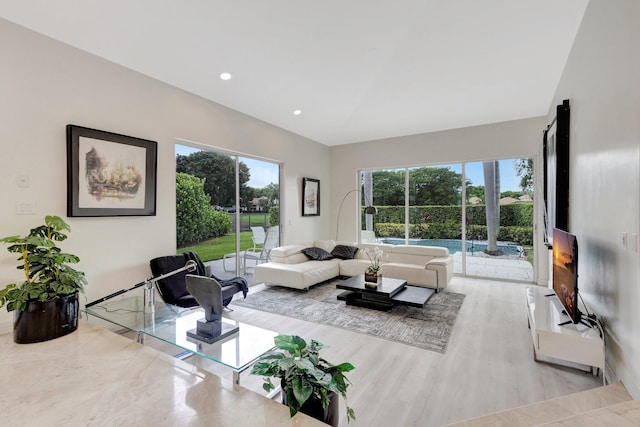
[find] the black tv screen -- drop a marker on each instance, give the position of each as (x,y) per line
(565,272)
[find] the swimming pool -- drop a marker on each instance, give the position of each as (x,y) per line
(454,245)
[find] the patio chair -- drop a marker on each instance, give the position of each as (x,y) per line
(258,239)
(271,241)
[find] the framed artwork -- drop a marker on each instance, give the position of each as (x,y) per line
(109,174)
(556,173)
(310,197)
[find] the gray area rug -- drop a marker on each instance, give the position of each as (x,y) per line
(428,327)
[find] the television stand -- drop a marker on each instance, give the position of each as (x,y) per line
(572,342)
(568,322)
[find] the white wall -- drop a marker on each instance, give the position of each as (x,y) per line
(602,81)
(506,140)
(45,85)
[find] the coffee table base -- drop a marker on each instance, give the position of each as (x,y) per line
(360,300)
(414,296)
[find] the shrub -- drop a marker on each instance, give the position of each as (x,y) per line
(443,222)
(196,219)
(391,230)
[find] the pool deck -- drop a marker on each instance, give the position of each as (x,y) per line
(481,265)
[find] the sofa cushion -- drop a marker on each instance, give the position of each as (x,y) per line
(353,267)
(361,254)
(430,251)
(327,245)
(344,251)
(316,254)
(300,276)
(415,275)
(289,254)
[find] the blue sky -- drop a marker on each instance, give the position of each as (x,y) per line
(264,173)
(509,179)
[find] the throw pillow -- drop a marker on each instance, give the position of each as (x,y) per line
(316,254)
(344,251)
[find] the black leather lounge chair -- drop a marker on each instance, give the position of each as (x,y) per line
(173,289)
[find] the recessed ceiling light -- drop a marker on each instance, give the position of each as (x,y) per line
(225,76)
(297,112)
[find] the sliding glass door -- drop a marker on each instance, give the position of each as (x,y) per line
(462,207)
(500,219)
(225,207)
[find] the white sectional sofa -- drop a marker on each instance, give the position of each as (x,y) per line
(426,266)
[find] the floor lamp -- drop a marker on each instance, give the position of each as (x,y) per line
(369,209)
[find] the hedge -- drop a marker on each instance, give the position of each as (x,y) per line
(443,222)
(515,214)
(196,219)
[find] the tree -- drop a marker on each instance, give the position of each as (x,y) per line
(491,171)
(427,185)
(389,187)
(218,172)
(524,169)
(435,186)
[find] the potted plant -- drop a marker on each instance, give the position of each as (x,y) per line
(309,383)
(45,304)
(372,274)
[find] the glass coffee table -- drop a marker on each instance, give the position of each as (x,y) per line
(170,324)
(383,297)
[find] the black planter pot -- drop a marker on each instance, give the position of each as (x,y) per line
(46,320)
(313,408)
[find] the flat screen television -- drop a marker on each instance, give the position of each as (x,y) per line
(565,272)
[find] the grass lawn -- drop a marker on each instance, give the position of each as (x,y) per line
(252,219)
(216,248)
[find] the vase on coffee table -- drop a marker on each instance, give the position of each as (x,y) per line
(372,280)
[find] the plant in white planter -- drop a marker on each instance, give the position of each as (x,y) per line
(46,302)
(308,381)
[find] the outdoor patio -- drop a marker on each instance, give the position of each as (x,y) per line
(481,265)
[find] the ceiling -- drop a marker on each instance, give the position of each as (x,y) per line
(358,69)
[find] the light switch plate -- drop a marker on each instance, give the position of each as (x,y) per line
(25,208)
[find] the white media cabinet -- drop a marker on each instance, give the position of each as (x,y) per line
(571,342)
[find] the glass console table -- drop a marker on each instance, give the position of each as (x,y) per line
(170,324)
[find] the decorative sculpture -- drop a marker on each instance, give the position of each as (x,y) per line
(208,293)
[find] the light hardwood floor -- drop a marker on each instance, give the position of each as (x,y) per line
(488,365)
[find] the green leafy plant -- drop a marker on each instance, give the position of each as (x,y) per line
(45,266)
(303,373)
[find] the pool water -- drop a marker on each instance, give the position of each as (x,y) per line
(454,245)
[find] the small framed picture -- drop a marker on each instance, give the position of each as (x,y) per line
(109,174)
(310,197)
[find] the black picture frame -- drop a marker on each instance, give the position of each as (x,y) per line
(310,197)
(109,174)
(556,173)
